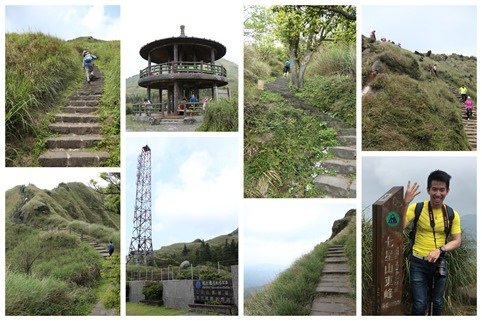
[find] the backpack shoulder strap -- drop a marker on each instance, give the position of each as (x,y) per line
(451,215)
(418,211)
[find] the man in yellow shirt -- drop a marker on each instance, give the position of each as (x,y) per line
(463,93)
(428,268)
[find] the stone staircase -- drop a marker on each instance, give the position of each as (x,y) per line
(79,129)
(343,183)
(470,125)
(101,249)
(334,289)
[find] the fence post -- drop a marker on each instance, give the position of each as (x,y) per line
(192,273)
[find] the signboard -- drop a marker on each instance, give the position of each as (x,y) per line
(387,252)
(213,292)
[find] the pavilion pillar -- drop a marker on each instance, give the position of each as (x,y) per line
(160,100)
(175,57)
(212,56)
(149,64)
(176,96)
(149,92)
(169,99)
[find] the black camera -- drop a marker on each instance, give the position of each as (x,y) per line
(441,267)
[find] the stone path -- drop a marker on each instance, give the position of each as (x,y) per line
(343,183)
(334,288)
(99,309)
(470,125)
(78,128)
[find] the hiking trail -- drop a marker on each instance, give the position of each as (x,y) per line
(470,125)
(333,292)
(78,128)
(343,164)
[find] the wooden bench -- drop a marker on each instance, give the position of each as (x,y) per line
(218,308)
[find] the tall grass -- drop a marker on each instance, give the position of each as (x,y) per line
(100,232)
(38,68)
(26,295)
(333,59)
(220,116)
(462,274)
(293,290)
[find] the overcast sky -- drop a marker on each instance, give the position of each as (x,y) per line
(442,29)
(382,173)
(196,187)
(221,22)
(65,22)
(49,178)
(279,231)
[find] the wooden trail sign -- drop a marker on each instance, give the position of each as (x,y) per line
(387,252)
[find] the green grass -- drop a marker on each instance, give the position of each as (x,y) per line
(334,95)
(462,275)
(39,69)
(220,116)
(140,309)
(283,147)
(109,288)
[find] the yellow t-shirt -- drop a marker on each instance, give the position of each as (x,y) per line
(424,241)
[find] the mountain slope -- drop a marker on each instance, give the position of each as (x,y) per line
(409,108)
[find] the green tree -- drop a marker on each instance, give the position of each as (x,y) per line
(111,191)
(303,29)
(185,251)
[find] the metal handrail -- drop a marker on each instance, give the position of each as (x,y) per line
(183,67)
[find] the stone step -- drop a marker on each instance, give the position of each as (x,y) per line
(334,288)
(336,259)
(336,186)
(341,166)
(84,103)
(347,140)
(345,152)
(333,305)
(346,131)
(76,118)
(73,141)
(336,268)
(75,128)
(72,158)
(85,96)
(79,109)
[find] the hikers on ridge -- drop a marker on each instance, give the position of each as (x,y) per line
(469,106)
(88,63)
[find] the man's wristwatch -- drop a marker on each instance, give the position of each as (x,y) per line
(442,250)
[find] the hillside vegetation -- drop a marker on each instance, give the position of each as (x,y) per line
(204,255)
(41,72)
(49,269)
(293,291)
(409,108)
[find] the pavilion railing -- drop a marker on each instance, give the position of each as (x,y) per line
(161,109)
(183,67)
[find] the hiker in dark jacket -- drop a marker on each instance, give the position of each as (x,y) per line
(110,248)
(434,223)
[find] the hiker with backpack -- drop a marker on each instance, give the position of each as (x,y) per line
(463,93)
(286,68)
(435,232)
(88,63)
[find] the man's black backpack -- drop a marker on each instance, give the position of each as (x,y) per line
(418,211)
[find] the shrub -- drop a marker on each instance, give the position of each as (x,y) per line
(220,116)
(152,291)
(25,295)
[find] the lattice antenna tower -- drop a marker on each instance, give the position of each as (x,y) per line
(140,250)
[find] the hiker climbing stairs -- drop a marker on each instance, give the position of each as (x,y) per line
(79,129)
(470,125)
(334,289)
(343,164)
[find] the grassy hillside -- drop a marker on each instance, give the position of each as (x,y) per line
(409,108)
(41,72)
(292,292)
(49,270)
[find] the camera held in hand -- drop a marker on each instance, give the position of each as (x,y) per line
(441,267)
